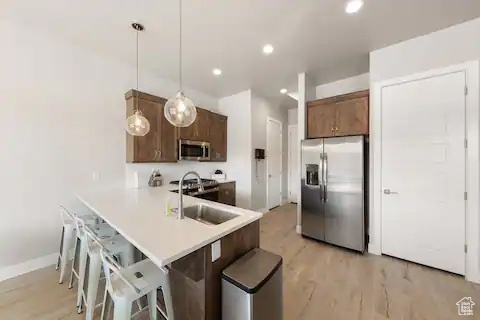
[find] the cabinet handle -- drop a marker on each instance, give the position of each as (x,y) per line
(155,156)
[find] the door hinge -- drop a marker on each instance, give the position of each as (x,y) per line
(466,90)
(465,248)
(465,195)
(466,143)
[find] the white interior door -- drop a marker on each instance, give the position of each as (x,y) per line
(274,163)
(423,171)
(293,150)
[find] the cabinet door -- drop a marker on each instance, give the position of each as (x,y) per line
(143,149)
(320,120)
(218,137)
(167,139)
(227,193)
(199,130)
(188,133)
(351,117)
(202,125)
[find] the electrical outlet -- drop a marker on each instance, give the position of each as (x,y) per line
(216,250)
(96,176)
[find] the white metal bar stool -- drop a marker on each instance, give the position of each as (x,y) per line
(68,235)
(117,246)
(126,285)
(102,231)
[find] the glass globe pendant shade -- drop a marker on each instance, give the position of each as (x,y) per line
(137,124)
(180,111)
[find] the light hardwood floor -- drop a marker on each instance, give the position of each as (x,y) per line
(321,282)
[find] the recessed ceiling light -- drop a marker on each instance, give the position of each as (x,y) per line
(353,6)
(216,72)
(267,49)
(283,91)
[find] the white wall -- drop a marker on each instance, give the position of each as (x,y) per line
(306,92)
(293,116)
(261,109)
(348,85)
(451,46)
(247,113)
(63,115)
(239,144)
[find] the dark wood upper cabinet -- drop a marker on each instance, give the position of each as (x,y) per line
(199,130)
(188,133)
(351,117)
(159,144)
(167,139)
(203,122)
(321,121)
(218,137)
(343,115)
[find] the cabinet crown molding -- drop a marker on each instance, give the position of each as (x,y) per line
(145,96)
(343,97)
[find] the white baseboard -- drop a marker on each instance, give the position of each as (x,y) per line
(27,266)
(299,229)
(473,277)
(262,210)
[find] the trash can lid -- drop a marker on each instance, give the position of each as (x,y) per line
(252,270)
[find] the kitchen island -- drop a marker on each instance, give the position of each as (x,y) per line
(185,246)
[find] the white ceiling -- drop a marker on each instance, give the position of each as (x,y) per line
(316,36)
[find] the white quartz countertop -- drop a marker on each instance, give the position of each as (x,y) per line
(140,216)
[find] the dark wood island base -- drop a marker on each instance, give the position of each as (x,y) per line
(196,280)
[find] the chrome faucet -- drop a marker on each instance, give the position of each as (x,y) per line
(180,213)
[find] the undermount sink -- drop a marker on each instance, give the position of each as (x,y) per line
(208,215)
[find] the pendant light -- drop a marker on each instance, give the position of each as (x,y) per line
(137,124)
(179,110)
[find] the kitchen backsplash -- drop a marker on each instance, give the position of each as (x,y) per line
(169,171)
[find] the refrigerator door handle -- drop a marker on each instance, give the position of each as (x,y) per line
(325,177)
(320,182)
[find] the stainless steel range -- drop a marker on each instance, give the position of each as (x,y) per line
(191,188)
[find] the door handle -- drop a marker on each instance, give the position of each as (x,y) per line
(325,177)
(388,191)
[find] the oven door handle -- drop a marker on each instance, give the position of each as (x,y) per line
(196,193)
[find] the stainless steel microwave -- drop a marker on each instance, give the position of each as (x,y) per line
(193,150)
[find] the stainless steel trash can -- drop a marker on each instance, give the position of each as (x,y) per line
(252,287)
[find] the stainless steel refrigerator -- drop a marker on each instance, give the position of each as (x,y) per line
(333,190)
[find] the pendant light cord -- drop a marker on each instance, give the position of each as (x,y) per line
(180,70)
(136,102)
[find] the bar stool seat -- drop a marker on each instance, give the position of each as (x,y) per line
(151,279)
